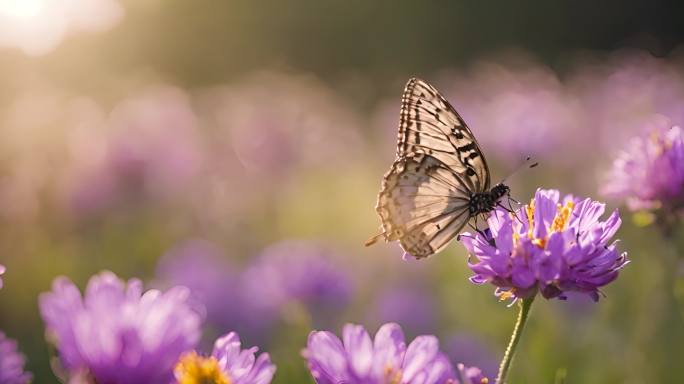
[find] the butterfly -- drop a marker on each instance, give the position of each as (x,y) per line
(439,179)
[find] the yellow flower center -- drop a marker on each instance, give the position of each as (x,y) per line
(661,141)
(560,222)
(195,369)
(529,209)
(392,376)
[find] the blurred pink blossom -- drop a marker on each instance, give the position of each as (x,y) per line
(516,108)
(623,94)
(275,123)
(149,148)
(36,127)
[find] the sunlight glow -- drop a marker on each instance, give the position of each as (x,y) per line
(21,9)
(38,26)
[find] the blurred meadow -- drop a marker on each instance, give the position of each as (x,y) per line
(237,148)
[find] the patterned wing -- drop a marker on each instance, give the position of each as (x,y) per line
(423,204)
(429,124)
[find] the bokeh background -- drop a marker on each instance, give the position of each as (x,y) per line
(237,148)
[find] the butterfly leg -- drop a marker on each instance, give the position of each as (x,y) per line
(510,206)
(473,227)
(510,210)
(476,227)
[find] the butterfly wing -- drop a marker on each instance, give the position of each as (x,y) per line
(423,204)
(429,124)
(425,196)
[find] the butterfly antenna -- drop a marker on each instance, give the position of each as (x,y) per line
(373,239)
(527,163)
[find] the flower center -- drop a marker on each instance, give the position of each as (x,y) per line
(661,142)
(559,223)
(195,369)
(392,376)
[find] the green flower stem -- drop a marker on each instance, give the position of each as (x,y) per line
(668,223)
(525,306)
(674,275)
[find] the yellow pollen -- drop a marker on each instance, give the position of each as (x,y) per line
(195,369)
(507,295)
(654,136)
(541,243)
(529,209)
(392,376)
(561,219)
(662,143)
(484,380)
(559,224)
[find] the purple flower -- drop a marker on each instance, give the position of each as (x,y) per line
(11,363)
(359,359)
(552,247)
(623,91)
(149,149)
(472,351)
(469,375)
(649,173)
(297,272)
(116,333)
(228,364)
(201,266)
(410,306)
(516,107)
(276,123)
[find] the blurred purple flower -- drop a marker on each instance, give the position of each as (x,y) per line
(116,333)
(2,272)
(298,272)
(411,307)
(649,173)
(469,375)
(622,93)
(275,123)
(516,108)
(200,266)
(551,247)
(36,129)
(11,363)
(358,359)
(151,150)
(228,364)
(472,351)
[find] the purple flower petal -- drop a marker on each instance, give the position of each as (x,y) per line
(11,363)
(327,357)
(117,333)
(421,351)
(359,348)
(389,359)
(649,173)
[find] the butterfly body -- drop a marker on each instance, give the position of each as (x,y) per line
(485,202)
(439,179)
